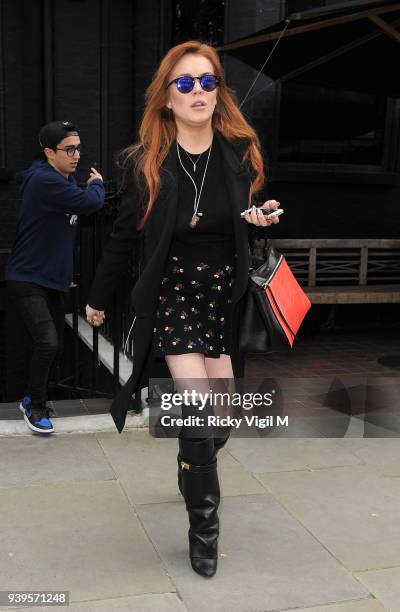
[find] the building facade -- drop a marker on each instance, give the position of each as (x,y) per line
(332,158)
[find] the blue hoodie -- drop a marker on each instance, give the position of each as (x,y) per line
(43,250)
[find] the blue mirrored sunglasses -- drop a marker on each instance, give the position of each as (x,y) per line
(185,84)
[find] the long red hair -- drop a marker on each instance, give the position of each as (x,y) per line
(158,129)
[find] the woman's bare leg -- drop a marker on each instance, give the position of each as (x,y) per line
(197,469)
(221,381)
(189,372)
(194,371)
(220,367)
(190,375)
(190,365)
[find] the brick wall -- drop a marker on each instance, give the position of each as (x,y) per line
(78,76)
(23,79)
(76,35)
(151,42)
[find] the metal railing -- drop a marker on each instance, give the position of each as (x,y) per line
(93,233)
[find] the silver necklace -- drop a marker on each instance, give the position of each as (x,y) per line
(196,216)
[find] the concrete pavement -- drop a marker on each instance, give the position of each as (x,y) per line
(307,524)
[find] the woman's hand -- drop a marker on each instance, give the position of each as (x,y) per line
(94,317)
(259,218)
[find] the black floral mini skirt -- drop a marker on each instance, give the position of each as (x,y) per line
(195,301)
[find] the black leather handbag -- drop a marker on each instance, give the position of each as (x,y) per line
(275,306)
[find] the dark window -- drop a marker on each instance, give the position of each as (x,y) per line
(321,125)
(198,20)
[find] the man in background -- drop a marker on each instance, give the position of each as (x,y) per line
(40,268)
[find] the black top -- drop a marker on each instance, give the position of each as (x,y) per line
(216,223)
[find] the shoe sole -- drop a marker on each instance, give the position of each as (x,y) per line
(32,427)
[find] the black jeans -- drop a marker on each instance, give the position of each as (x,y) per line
(41,311)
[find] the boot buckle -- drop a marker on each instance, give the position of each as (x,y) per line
(184,465)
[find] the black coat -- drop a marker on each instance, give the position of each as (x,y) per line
(154,242)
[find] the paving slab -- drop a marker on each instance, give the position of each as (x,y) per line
(147,468)
(167,602)
(38,459)
(268,561)
(274,455)
(234,479)
(384,585)
(84,538)
(382,454)
(353,511)
(75,424)
(365,605)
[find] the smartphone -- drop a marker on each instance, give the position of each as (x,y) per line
(267,212)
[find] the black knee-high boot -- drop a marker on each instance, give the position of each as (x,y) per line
(200,489)
(218,444)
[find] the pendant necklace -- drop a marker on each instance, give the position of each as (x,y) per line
(196,215)
(194,163)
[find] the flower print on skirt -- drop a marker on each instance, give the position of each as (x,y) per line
(195,301)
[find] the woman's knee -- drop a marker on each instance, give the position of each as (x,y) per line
(220,367)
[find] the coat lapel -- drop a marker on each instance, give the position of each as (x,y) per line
(157,237)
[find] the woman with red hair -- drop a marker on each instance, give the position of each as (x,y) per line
(196,167)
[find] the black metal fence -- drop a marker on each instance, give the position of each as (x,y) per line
(92,237)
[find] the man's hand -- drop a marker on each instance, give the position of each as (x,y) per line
(93,175)
(94,317)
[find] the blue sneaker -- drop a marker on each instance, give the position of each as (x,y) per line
(36,416)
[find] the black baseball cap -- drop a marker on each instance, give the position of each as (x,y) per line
(53,133)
